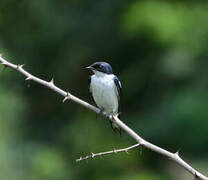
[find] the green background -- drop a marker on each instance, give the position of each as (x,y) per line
(159,51)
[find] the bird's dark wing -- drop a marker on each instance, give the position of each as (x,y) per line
(89,81)
(118,86)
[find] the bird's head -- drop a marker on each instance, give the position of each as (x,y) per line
(100,67)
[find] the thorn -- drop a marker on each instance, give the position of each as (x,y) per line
(126,152)
(20,66)
(0,55)
(28,78)
(52,81)
(116,115)
(92,154)
(66,97)
(177,153)
(114,150)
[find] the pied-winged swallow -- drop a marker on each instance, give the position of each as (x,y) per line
(106,89)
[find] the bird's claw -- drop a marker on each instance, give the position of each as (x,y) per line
(103,113)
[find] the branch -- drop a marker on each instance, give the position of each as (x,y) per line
(115,151)
(67,96)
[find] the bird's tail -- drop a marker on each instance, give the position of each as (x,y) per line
(115,127)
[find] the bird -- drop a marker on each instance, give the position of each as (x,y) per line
(105,88)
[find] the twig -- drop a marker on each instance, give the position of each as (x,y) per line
(115,151)
(67,96)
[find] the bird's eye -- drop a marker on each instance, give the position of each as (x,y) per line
(100,66)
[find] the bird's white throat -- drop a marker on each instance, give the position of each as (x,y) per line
(98,73)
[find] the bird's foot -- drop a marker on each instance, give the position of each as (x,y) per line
(104,114)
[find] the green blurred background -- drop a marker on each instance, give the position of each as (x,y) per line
(158,49)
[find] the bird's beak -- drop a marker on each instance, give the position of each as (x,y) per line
(88,67)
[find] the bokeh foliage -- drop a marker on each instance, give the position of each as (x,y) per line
(159,51)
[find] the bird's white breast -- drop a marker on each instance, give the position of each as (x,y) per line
(105,92)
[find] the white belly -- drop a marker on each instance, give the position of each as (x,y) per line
(105,93)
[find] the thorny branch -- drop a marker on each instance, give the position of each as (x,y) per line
(142,142)
(115,151)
